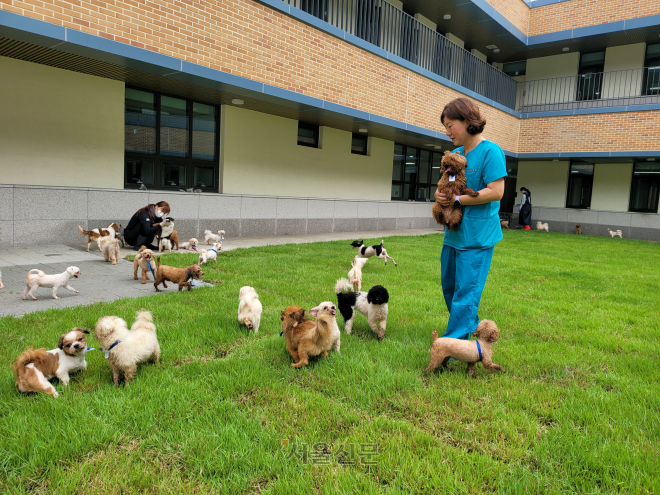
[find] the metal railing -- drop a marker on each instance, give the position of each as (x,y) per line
(384,25)
(596,90)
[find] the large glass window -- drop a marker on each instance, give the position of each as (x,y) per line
(415,173)
(308,135)
(590,78)
(181,137)
(580,183)
(644,189)
(651,83)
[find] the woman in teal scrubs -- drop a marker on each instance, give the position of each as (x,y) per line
(468,251)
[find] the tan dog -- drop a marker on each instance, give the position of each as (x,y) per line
(110,249)
(34,367)
(578,229)
(542,226)
(96,234)
(144,259)
(615,233)
(468,351)
(174,239)
(355,274)
(249,308)
(36,278)
(191,244)
(124,348)
(504,224)
(305,338)
(176,275)
(452,183)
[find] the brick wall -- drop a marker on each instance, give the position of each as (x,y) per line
(515,11)
(624,131)
(580,13)
(251,40)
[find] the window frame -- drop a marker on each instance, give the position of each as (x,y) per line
(633,179)
(364,138)
(190,162)
(313,127)
(416,185)
(569,186)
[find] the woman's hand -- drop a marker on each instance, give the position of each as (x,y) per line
(442,199)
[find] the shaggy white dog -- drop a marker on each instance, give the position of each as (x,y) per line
(36,278)
(249,308)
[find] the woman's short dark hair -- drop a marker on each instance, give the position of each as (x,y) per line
(466,111)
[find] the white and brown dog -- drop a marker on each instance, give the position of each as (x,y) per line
(210,254)
(355,273)
(210,237)
(249,308)
(615,233)
(542,226)
(36,278)
(96,234)
(372,304)
(34,367)
(190,245)
(125,348)
(164,238)
(110,249)
(368,251)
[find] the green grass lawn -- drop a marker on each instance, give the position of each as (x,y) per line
(577,411)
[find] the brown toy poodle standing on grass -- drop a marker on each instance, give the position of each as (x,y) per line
(468,351)
(452,183)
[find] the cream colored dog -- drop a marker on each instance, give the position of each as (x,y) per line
(125,348)
(211,237)
(542,226)
(210,254)
(190,245)
(36,278)
(110,249)
(355,274)
(615,233)
(249,308)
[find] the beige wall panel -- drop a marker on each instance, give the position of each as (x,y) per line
(550,79)
(546,180)
(623,74)
(611,189)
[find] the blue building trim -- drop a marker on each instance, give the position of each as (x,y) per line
(590,111)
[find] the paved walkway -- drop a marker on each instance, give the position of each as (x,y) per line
(103,282)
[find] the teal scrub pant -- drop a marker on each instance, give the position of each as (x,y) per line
(464,274)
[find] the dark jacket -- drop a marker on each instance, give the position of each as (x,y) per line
(145,222)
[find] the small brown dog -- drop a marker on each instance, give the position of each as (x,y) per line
(306,338)
(176,275)
(144,259)
(452,183)
(468,351)
(578,229)
(110,249)
(504,224)
(174,239)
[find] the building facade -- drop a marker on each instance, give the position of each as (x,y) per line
(279,117)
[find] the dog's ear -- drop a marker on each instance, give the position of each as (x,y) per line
(83,330)
(60,343)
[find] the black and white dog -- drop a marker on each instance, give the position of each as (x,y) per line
(372,304)
(368,251)
(166,229)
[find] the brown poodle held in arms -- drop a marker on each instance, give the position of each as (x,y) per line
(468,351)
(452,183)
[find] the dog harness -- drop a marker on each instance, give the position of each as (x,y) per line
(151,269)
(213,251)
(479,349)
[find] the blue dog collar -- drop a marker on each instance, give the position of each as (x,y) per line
(479,349)
(281,333)
(107,351)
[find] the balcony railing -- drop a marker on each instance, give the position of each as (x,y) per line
(396,32)
(597,90)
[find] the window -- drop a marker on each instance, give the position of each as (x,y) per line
(651,82)
(580,182)
(515,68)
(415,173)
(359,144)
(308,135)
(169,143)
(590,76)
(644,190)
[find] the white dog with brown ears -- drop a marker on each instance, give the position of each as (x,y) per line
(125,348)
(355,274)
(110,249)
(211,237)
(542,226)
(249,308)
(615,233)
(36,278)
(34,367)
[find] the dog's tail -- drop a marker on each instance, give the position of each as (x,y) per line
(381,242)
(144,315)
(157,261)
(37,271)
(142,248)
(343,285)
(434,334)
(85,232)
(29,356)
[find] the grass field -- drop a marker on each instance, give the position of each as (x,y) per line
(577,411)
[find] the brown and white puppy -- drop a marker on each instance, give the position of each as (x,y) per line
(125,348)
(468,351)
(34,367)
(452,183)
(615,233)
(144,259)
(96,234)
(110,249)
(211,237)
(36,278)
(542,226)
(210,254)
(355,273)
(249,308)
(191,244)
(578,229)
(179,276)
(305,338)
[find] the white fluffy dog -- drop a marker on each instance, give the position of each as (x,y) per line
(36,278)
(211,237)
(542,226)
(166,229)
(190,245)
(372,304)
(110,249)
(615,233)
(355,274)
(210,254)
(124,348)
(249,308)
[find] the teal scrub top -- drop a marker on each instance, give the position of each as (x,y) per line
(480,227)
